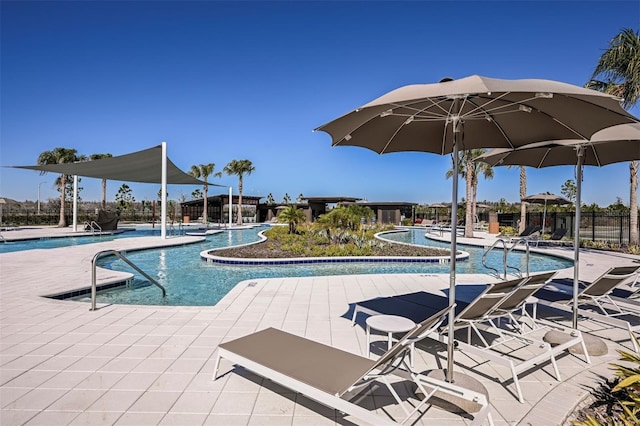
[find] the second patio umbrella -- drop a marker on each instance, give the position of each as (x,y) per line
(612,145)
(546,198)
(474,112)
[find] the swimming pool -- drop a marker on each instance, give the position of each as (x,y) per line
(192,282)
(64,241)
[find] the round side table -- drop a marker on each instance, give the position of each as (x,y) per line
(389,324)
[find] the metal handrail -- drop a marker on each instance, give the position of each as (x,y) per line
(506,251)
(124,259)
(93,225)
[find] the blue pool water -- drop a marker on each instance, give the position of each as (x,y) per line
(192,282)
(49,243)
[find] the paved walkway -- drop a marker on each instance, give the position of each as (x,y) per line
(152,365)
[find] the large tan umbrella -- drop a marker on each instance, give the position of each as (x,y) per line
(546,198)
(474,112)
(612,145)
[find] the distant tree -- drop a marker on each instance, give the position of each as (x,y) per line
(59,156)
(569,190)
(124,198)
(239,168)
(618,73)
(270,199)
(618,206)
(104,181)
(196,195)
(203,171)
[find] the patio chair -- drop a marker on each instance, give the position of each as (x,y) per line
(595,301)
(555,238)
(492,301)
(332,376)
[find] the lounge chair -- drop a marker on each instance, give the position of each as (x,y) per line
(330,375)
(595,301)
(488,304)
(555,238)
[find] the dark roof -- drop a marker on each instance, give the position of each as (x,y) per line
(331,199)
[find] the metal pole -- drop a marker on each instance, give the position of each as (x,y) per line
(457,130)
(230,204)
(75,203)
(163,195)
(576,242)
(39,196)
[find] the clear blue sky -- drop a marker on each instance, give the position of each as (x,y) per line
(222,81)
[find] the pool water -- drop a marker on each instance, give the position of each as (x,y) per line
(55,242)
(191,281)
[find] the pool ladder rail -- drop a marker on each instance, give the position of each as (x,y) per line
(93,227)
(507,246)
(122,257)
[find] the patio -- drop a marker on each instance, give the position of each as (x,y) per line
(152,365)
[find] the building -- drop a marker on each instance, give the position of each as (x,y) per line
(218,209)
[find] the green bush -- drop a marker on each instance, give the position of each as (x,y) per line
(618,400)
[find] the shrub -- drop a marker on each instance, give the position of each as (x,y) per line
(617,401)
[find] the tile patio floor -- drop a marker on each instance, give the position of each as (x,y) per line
(61,364)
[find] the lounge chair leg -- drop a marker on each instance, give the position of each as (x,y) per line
(517,383)
(215,367)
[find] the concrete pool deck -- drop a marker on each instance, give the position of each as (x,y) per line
(152,365)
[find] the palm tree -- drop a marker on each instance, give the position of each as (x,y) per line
(478,167)
(470,170)
(618,73)
(203,171)
(293,216)
(104,181)
(239,168)
(523,194)
(58,156)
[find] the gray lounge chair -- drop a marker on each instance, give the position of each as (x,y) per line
(596,303)
(330,375)
(487,305)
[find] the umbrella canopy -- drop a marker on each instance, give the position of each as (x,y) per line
(546,198)
(474,112)
(615,144)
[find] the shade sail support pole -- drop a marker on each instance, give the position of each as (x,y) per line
(75,203)
(230,205)
(576,242)
(457,132)
(163,195)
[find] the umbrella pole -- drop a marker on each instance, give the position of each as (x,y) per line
(457,130)
(544,217)
(576,243)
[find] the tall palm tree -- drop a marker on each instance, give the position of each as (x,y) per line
(523,194)
(203,171)
(478,167)
(618,73)
(104,181)
(470,171)
(239,168)
(464,170)
(59,156)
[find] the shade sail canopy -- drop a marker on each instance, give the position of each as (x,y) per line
(141,166)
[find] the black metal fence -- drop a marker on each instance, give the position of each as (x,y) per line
(613,228)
